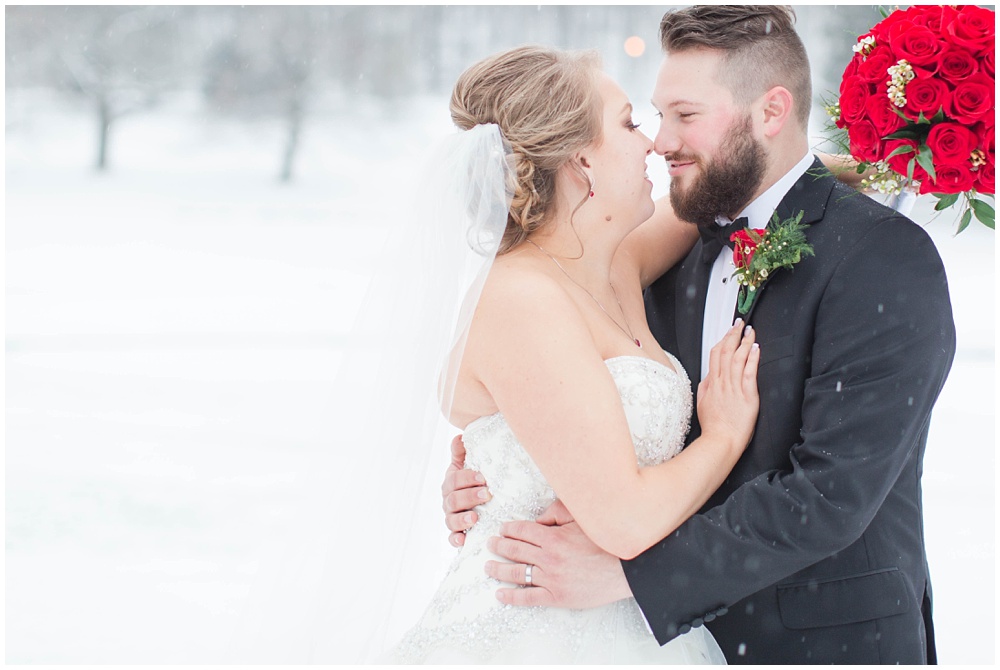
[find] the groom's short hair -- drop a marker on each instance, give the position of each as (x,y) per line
(761,48)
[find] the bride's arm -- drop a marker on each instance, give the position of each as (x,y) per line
(533,351)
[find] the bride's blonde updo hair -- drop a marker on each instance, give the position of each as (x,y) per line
(546,103)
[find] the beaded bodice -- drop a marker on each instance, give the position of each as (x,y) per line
(464,614)
(657,404)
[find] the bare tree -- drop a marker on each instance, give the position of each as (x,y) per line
(270,61)
(121,59)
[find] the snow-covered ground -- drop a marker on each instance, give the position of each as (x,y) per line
(172,339)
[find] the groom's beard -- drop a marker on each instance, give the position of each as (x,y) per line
(727,183)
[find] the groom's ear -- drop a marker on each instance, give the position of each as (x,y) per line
(777,106)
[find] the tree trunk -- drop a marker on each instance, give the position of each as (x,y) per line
(292,141)
(104,119)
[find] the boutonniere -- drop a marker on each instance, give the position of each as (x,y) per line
(760,252)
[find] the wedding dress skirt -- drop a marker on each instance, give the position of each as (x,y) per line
(465,623)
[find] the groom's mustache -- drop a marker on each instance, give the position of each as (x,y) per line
(680,158)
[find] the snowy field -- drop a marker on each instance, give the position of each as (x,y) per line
(172,333)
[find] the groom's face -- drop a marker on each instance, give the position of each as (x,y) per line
(709,142)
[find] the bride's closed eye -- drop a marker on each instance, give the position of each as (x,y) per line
(632,126)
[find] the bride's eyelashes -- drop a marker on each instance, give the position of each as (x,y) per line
(632,125)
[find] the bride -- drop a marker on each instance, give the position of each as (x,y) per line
(559,386)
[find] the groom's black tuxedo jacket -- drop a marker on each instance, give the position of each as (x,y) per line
(812,551)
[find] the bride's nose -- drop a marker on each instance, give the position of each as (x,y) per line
(649,143)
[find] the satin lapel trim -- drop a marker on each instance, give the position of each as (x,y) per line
(809,195)
(692,289)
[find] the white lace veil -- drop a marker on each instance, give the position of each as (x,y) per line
(361,558)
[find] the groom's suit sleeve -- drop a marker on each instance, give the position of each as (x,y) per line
(883,343)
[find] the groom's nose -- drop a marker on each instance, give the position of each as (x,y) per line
(666,141)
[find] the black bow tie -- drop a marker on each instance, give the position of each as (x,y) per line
(714,237)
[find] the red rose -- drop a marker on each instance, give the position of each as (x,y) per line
(745,246)
(950,143)
(866,144)
(957,64)
(988,121)
(880,113)
(985,179)
(973,28)
(925,18)
(900,162)
(916,44)
(853,93)
(934,17)
(881,30)
(952,179)
(972,99)
(875,67)
(987,139)
(892,32)
(988,66)
(850,70)
(927,96)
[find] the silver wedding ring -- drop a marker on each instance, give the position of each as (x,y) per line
(527,574)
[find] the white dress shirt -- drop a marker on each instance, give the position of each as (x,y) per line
(720,302)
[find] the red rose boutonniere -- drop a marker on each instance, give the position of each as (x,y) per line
(760,252)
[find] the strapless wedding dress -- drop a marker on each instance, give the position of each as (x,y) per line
(465,623)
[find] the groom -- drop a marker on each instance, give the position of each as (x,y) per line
(812,550)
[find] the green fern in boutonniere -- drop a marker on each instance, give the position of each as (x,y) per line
(760,252)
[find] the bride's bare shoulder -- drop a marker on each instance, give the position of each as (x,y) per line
(519,288)
(525,320)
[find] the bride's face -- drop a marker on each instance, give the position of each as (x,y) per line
(617,165)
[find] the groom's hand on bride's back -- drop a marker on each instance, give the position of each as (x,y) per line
(569,570)
(461,491)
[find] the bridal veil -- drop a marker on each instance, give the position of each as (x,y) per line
(359,561)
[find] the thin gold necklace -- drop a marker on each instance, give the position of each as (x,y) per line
(627,329)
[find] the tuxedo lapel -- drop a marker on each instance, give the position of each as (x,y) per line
(692,289)
(809,195)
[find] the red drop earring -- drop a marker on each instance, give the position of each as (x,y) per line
(591,194)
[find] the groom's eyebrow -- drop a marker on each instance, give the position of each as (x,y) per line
(677,103)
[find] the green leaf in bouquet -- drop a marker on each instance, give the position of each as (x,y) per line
(884,12)
(926,160)
(945,200)
(964,223)
(910,167)
(939,117)
(900,150)
(984,212)
(903,134)
(898,112)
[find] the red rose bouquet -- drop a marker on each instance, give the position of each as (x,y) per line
(917,102)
